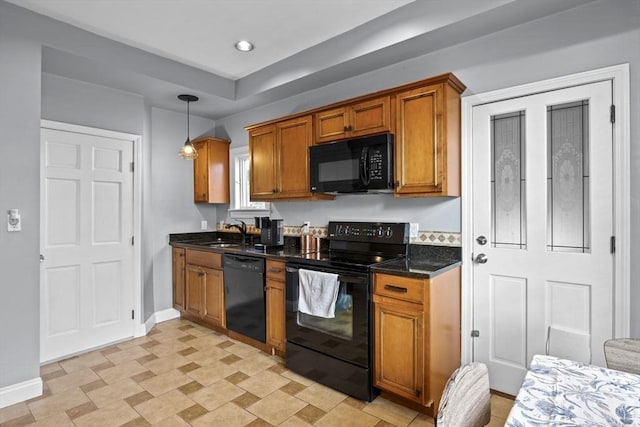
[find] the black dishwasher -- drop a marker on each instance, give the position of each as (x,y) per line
(244,297)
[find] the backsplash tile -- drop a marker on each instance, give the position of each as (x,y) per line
(434,238)
(296,230)
(438,238)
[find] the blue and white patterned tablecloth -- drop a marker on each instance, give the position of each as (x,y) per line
(558,392)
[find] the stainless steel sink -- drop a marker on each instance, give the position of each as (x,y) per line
(222,245)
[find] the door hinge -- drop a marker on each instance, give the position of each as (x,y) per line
(132,240)
(613,244)
(131,167)
(613,114)
(475,333)
(133,314)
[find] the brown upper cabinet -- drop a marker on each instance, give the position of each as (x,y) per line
(211,170)
(427,140)
(424,116)
(280,160)
(354,120)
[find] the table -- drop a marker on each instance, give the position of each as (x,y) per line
(559,392)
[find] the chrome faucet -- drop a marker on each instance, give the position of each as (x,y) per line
(242,228)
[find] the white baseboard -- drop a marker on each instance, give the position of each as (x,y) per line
(20,392)
(157,317)
(168,314)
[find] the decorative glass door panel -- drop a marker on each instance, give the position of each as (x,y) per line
(568,177)
(508,189)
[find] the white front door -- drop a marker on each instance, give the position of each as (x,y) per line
(542,227)
(86,292)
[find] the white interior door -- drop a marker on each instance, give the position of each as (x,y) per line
(542,224)
(86,293)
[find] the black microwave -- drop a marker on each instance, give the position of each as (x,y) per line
(351,166)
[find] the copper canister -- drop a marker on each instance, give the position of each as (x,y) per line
(308,243)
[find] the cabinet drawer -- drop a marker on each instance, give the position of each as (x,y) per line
(399,287)
(204,259)
(275,270)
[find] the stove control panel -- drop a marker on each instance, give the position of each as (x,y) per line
(386,232)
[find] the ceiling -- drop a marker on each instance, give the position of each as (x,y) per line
(202,33)
(166,47)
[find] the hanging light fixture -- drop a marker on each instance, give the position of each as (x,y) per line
(188,151)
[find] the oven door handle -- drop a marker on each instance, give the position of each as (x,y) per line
(354,280)
(343,279)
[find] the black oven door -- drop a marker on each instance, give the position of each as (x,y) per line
(345,336)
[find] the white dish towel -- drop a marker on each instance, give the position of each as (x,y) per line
(317,293)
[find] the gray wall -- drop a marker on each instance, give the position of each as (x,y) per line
(586,38)
(72,101)
(19,188)
(171,186)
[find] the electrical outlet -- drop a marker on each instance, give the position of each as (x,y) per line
(204,225)
(305,227)
(413,230)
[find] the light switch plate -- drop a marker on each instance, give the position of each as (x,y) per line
(413,230)
(203,225)
(14,224)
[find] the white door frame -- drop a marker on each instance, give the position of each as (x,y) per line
(139,325)
(619,74)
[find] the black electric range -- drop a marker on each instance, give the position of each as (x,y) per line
(358,245)
(336,350)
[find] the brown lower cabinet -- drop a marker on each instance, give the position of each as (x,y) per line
(276,307)
(416,336)
(178,272)
(204,288)
(198,293)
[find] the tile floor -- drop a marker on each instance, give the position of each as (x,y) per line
(182,374)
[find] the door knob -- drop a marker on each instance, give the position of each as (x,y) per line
(481,240)
(482,259)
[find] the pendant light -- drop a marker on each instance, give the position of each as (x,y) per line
(188,151)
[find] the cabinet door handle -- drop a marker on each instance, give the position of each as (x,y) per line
(395,288)
(275,270)
(201,273)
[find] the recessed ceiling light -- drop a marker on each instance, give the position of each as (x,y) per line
(244,46)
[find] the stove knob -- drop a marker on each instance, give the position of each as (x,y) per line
(380,232)
(389,232)
(339,230)
(347,230)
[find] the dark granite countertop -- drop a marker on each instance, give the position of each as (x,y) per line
(424,261)
(421,268)
(223,242)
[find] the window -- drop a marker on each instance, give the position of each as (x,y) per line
(241,205)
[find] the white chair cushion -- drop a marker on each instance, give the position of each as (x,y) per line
(466,400)
(623,354)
